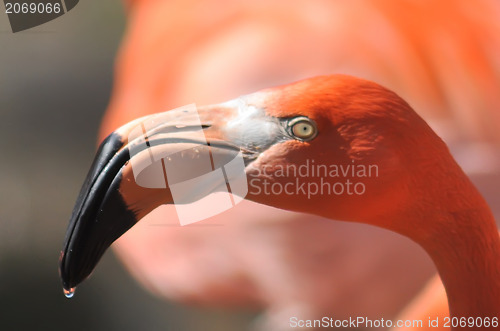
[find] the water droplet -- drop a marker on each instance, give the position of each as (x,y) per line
(69,293)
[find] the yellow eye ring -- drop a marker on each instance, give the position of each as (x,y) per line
(303,128)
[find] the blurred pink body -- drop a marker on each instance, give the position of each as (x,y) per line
(442,57)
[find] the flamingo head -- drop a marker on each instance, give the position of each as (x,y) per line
(335,146)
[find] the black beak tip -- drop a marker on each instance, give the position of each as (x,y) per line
(92,237)
(100,215)
(68,290)
(70,275)
(66,281)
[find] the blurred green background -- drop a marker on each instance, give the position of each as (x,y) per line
(55,83)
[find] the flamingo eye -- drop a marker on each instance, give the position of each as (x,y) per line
(303,128)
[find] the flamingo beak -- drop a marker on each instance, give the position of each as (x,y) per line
(130,174)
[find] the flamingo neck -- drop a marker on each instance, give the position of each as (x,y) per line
(468,261)
(462,239)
